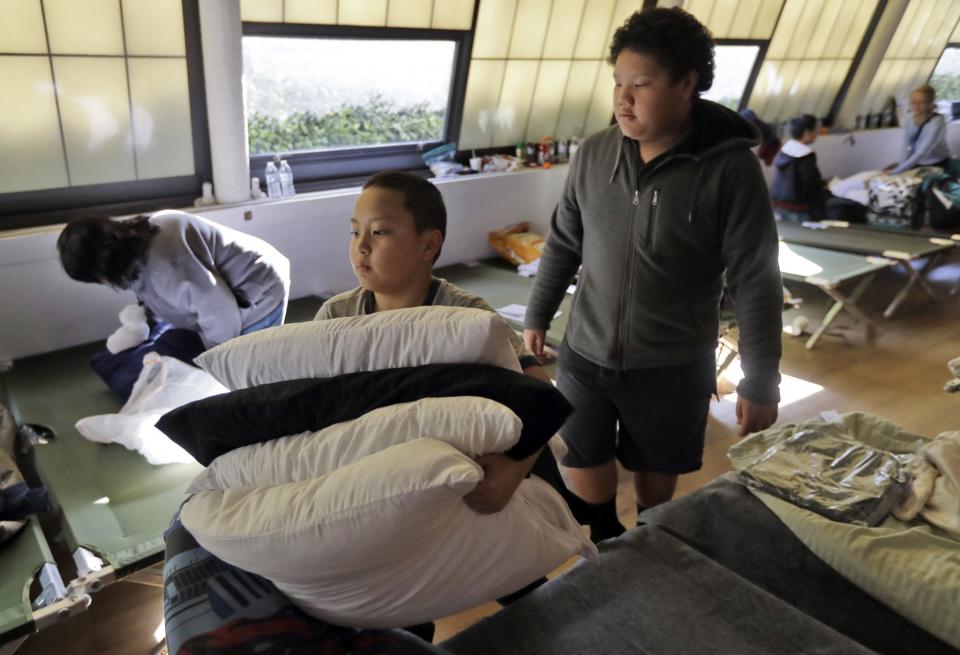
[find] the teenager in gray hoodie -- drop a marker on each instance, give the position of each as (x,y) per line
(666,211)
(188,271)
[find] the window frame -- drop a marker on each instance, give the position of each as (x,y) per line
(317,169)
(762,44)
(23,209)
(951,45)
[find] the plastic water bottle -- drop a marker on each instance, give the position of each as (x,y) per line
(273,180)
(286,179)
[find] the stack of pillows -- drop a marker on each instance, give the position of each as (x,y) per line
(337,465)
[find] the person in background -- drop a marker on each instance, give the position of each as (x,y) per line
(186,270)
(663,210)
(799,193)
(769,142)
(924,137)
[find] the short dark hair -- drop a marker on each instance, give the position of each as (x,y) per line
(420,197)
(678,41)
(800,125)
(103,250)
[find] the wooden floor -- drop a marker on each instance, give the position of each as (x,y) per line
(899,375)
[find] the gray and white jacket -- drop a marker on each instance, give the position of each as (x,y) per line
(208,278)
(659,243)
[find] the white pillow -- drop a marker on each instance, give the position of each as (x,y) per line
(387,541)
(472,425)
(392,339)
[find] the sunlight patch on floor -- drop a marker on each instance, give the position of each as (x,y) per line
(791,389)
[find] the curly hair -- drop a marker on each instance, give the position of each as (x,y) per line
(677,40)
(105,251)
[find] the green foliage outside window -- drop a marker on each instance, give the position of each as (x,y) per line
(376,122)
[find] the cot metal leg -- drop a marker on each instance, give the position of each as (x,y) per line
(917,277)
(840,303)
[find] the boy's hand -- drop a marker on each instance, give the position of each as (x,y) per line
(753,417)
(501,477)
(534,340)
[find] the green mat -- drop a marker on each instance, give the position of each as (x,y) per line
(20,559)
(112,501)
(499,284)
(863,241)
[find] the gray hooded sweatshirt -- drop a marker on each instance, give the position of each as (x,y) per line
(658,243)
(209,278)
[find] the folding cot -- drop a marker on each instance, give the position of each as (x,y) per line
(828,270)
(905,247)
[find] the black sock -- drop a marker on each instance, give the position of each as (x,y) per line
(604,523)
(423,630)
(520,593)
(640,510)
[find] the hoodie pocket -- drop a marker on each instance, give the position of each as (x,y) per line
(656,201)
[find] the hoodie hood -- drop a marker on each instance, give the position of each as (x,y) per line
(716,130)
(791,151)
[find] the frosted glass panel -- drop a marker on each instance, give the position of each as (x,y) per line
(601,104)
(154,27)
(722,18)
(780,43)
(804,28)
(492,38)
(621,12)
(94,107)
(592,42)
(261,11)
(480,104)
(31,155)
(409,13)
(84,27)
(563,29)
(700,9)
(955,37)
(363,12)
(515,101)
(529,29)
(820,34)
(551,83)
(161,117)
(21,27)
(453,14)
(741,26)
(576,98)
(316,12)
(766,20)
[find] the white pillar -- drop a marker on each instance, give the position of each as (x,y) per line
(870,63)
(220,36)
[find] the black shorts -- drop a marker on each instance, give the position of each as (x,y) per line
(633,417)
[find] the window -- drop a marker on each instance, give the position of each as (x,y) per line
(946,79)
(921,35)
(97,103)
(346,101)
(381,92)
(734,66)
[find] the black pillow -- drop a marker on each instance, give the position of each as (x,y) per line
(210,427)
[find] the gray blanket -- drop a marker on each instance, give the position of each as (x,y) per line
(649,593)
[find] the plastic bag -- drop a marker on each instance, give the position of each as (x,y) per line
(826,470)
(164,384)
(517,244)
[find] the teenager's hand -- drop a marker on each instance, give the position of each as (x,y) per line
(534,340)
(753,417)
(501,477)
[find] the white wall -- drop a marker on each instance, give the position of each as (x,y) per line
(41,309)
(869,150)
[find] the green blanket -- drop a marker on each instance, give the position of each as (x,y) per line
(912,568)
